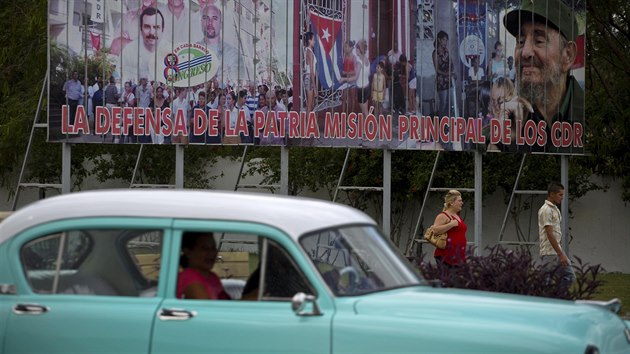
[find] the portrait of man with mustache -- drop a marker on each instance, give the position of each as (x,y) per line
(138,61)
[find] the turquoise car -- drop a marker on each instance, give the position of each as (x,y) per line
(98,272)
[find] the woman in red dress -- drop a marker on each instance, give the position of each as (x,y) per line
(450,221)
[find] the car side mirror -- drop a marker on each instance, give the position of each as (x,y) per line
(299,304)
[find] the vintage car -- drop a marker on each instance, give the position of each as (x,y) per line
(97,272)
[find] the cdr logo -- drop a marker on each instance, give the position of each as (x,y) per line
(171,71)
(189,64)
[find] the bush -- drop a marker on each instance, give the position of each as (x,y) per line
(515,272)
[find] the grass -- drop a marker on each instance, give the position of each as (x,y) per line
(616,285)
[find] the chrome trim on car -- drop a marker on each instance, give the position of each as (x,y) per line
(613,305)
(30,309)
(176,314)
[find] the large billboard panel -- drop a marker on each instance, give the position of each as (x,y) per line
(457,75)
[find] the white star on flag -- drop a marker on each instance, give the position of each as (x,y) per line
(326,34)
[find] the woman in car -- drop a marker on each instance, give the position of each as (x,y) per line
(197,280)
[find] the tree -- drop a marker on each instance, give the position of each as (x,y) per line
(22,69)
(608,89)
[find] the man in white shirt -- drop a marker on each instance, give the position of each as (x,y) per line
(140,60)
(394,54)
(252,99)
(550,234)
(181,25)
(231,64)
(74,93)
(144,94)
(281,98)
(213,101)
(127,29)
(176,16)
(241,105)
(90,105)
(475,72)
(180,103)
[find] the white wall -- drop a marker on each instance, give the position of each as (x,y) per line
(601,229)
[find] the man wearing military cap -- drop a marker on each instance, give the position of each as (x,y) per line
(546,31)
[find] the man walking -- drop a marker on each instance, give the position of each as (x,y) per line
(550,234)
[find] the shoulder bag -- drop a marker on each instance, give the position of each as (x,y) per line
(437,240)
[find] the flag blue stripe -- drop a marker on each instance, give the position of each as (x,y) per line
(328,68)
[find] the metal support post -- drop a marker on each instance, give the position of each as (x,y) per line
(66,166)
(564,179)
(240,170)
(343,171)
(284,170)
(30,141)
(135,168)
(507,212)
(387,191)
(424,202)
(478,201)
(179,166)
(284,174)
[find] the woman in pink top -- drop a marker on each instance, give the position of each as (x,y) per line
(197,280)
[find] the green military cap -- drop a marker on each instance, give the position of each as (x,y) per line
(554,13)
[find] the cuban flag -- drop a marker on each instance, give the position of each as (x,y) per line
(328,49)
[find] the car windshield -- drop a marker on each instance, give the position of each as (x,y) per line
(356,260)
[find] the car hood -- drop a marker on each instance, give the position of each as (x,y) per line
(498,316)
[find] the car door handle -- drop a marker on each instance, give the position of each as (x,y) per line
(176,314)
(30,309)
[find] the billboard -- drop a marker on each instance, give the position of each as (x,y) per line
(457,75)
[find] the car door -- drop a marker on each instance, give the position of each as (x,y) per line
(86,286)
(264,325)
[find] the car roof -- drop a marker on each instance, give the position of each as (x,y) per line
(293,215)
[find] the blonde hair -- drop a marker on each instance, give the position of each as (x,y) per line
(450,197)
(508,87)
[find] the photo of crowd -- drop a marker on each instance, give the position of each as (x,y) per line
(177,54)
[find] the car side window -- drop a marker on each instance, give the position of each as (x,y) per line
(282,277)
(238,264)
(145,250)
(93,262)
(351,260)
(276,270)
(41,259)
